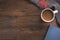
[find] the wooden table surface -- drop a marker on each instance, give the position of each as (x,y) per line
(20,20)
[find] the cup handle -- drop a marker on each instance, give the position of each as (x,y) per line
(56,11)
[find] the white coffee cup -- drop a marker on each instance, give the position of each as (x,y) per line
(54,12)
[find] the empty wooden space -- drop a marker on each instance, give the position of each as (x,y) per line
(20,20)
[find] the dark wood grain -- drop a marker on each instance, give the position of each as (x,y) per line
(20,20)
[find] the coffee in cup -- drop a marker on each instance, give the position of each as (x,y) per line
(48,15)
